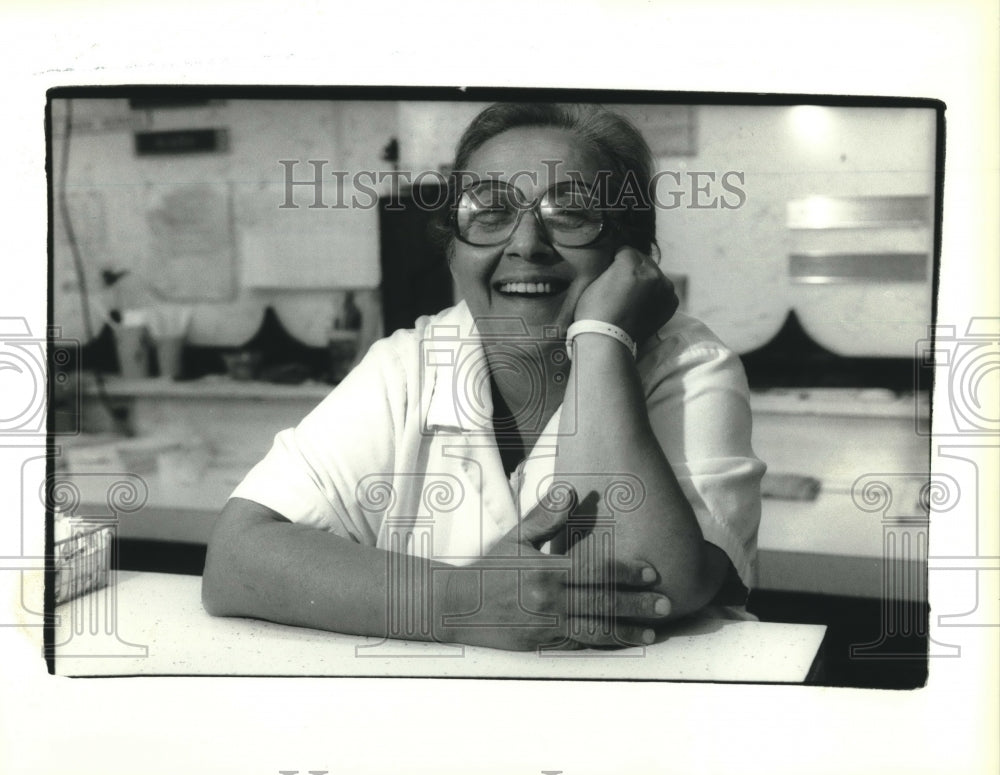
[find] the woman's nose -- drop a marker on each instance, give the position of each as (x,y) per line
(529,240)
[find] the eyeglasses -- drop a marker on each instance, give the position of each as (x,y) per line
(488,213)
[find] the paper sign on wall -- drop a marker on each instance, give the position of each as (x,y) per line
(192,249)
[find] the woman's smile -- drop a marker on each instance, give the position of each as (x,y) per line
(537,289)
(535,302)
(533,287)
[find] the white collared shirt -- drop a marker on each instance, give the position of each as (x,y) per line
(402,454)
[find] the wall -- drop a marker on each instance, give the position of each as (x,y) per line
(226,212)
(736,259)
(122,206)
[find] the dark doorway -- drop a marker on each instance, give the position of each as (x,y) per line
(415,276)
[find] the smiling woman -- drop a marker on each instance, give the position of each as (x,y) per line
(561,460)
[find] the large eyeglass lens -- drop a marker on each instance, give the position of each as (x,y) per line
(488,214)
(569,217)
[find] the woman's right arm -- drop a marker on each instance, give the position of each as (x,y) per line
(307,558)
(263,566)
(260,565)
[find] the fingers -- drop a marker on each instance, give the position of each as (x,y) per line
(629,621)
(618,604)
(629,256)
(613,589)
(608,617)
(591,566)
(589,634)
(634,573)
(641,605)
(581,633)
(626,574)
(652,296)
(634,259)
(549,517)
(645,269)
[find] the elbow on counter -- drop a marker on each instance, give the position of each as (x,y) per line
(213,592)
(221,565)
(223,593)
(702,586)
(233,559)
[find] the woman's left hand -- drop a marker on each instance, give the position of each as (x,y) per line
(632,293)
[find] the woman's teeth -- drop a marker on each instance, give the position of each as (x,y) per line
(539,288)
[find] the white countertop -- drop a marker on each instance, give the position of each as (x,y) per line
(154,624)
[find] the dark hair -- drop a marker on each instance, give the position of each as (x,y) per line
(614,140)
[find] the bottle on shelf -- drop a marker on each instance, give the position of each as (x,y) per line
(343,337)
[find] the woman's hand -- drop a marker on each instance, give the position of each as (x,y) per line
(632,293)
(520,599)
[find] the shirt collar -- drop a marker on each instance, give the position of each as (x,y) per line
(455,379)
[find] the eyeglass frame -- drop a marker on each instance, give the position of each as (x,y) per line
(606,226)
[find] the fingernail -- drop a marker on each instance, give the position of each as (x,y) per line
(662,606)
(648,574)
(648,636)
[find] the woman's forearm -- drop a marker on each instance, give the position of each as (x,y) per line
(606,437)
(262,566)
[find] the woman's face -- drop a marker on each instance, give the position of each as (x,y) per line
(528,278)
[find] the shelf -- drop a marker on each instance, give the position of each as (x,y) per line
(212,387)
(842,402)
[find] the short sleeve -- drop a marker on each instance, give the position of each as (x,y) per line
(699,408)
(311,472)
